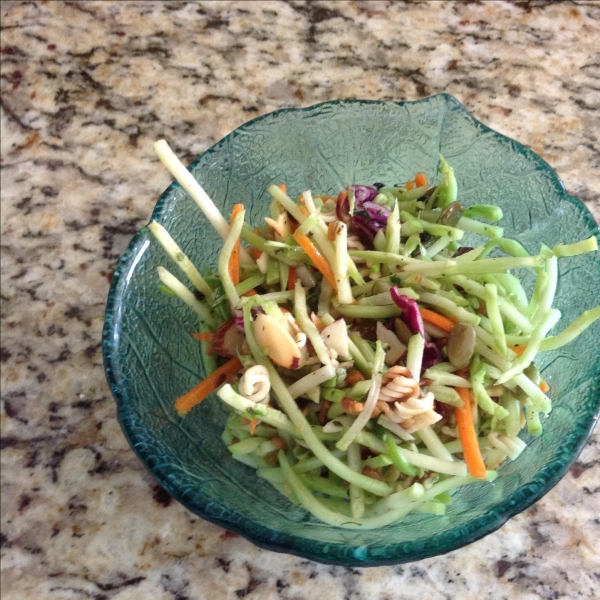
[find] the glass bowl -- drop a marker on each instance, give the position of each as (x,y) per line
(151,359)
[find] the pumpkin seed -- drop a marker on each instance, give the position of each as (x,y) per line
(402,331)
(461,345)
(451,215)
(380,286)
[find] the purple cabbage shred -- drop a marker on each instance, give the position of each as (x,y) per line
(410,312)
(432,355)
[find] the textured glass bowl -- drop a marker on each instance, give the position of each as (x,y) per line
(151,359)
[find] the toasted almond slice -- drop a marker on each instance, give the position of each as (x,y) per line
(281,346)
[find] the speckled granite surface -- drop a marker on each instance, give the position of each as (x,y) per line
(86,88)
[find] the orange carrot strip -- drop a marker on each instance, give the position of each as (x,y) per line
(250,293)
(518,350)
(420,179)
(207,386)
(317,258)
(283,187)
(410,185)
(253,424)
(203,337)
(331,231)
(444,323)
(464,372)
(325,198)
(234,261)
(292,278)
(544,387)
(304,211)
(468,435)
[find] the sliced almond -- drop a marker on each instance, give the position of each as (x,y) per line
(335,336)
(396,348)
(274,338)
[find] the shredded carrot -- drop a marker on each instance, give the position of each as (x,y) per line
(304,211)
(317,258)
(420,179)
(253,424)
(544,387)
(283,187)
(444,323)
(203,337)
(292,278)
(234,261)
(331,231)
(518,350)
(207,386)
(250,293)
(410,185)
(325,198)
(468,435)
(354,376)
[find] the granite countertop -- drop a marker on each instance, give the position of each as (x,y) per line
(87,87)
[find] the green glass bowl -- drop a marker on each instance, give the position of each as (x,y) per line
(151,359)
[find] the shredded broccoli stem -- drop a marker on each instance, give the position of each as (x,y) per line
(506,308)
(547,293)
(448,188)
(357,494)
(449,307)
(397,458)
(384,257)
(493,313)
(513,418)
(363,417)
(414,356)
(178,256)
(362,311)
(489,212)
(569,333)
(537,335)
(307,326)
(433,443)
(340,266)
(224,256)
(478,267)
(491,231)
(532,416)
(581,247)
(184,294)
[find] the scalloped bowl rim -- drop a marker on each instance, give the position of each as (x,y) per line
(274,540)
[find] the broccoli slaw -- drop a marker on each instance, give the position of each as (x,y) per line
(370,362)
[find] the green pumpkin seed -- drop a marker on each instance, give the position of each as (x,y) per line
(461,345)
